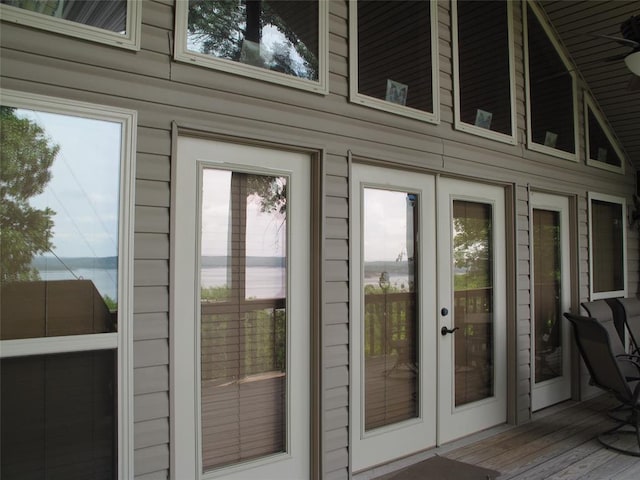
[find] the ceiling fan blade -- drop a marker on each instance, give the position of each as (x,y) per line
(614,58)
(622,41)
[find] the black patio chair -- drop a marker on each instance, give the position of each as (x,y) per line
(594,345)
(601,311)
(630,313)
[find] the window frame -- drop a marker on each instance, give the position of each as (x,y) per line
(122,340)
(321,86)
(130,41)
(623,218)
(467,127)
(590,106)
(531,145)
(356,97)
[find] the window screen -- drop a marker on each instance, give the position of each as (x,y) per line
(607,243)
(550,91)
(483,65)
(394,52)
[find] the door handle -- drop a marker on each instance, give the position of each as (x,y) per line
(445,330)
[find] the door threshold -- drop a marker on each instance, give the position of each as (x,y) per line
(409,460)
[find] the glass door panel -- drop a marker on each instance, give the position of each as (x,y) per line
(472,379)
(390,307)
(551,296)
(473,300)
(243,319)
(392,346)
(548,314)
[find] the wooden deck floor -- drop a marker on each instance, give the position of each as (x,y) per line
(560,443)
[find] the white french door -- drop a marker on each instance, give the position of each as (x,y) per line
(413,385)
(551,296)
(240,312)
(472,376)
(393,348)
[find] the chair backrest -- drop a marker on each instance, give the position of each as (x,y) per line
(618,316)
(602,312)
(595,348)
(631,308)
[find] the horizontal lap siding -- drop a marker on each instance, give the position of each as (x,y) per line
(163,91)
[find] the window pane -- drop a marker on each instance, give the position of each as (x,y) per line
(547,294)
(59,416)
(277,35)
(394,52)
(551,91)
(59,223)
(391,307)
(473,301)
(607,243)
(243,316)
(106,14)
(483,52)
(600,148)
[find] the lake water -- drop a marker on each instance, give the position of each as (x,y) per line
(262,282)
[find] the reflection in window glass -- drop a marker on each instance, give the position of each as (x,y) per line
(607,232)
(547,294)
(390,333)
(473,301)
(58,416)
(483,63)
(600,148)
(106,14)
(243,316)
(550,91)
(394,52)
(59,217)
(276,35)
(59,254)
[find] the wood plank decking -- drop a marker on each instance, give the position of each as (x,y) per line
(560,443)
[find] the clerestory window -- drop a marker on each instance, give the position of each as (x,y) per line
(484,79)
(551,90)
(602,148)
(114,22)
(394,57)
(276,40)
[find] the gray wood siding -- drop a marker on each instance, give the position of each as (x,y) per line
(164,91)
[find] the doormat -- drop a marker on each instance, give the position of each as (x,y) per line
(442,468)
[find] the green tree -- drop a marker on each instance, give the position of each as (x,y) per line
(220,27)
(26,156)
(472,251)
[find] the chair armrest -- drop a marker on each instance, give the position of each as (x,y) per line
(630,359)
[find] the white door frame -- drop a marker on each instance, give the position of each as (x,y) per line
(557,389)
(192,155)
(391,442)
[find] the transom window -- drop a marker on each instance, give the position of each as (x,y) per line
(483,68)
(607,246)
(551,91)
(65,270)
(602,149)
(115,22)
(276,40)
(394,56)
